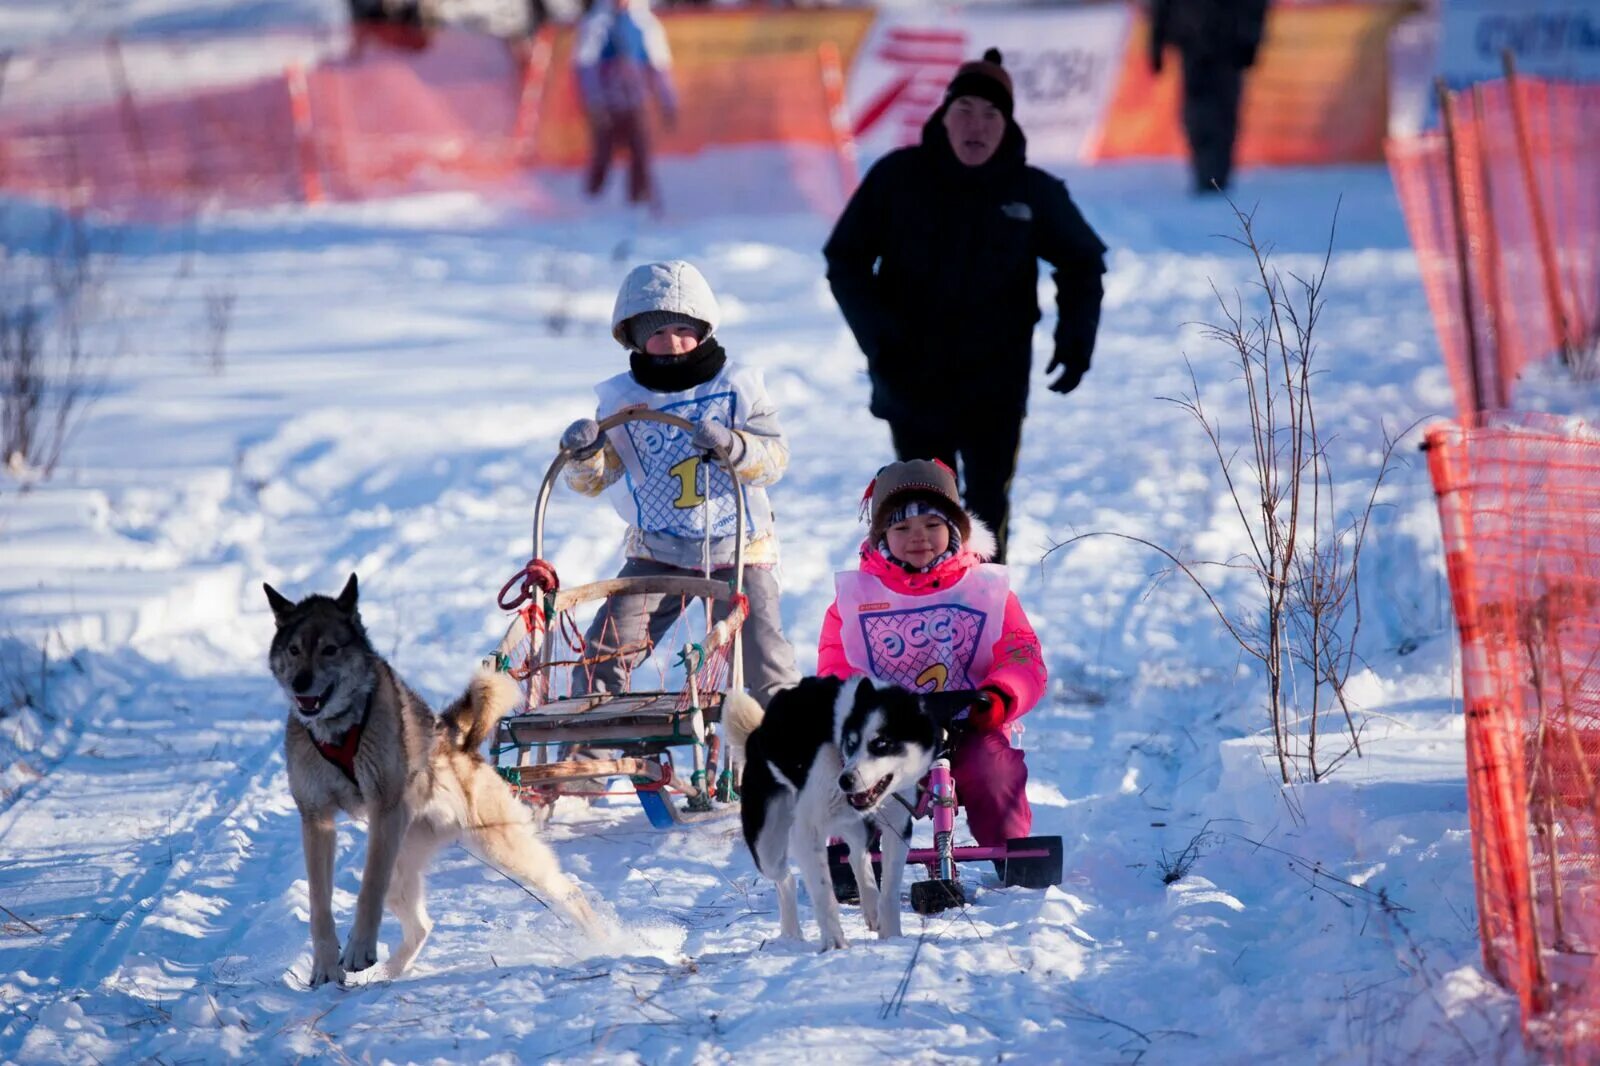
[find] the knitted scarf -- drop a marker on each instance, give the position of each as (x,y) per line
(660,373)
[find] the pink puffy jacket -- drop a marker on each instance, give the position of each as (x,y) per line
(1018,672)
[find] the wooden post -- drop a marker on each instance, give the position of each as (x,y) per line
(1463,264)
(305,134)
(1564,334)
(130,113)
(1499,391)
(530,97)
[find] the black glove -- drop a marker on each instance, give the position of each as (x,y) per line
(1072,371)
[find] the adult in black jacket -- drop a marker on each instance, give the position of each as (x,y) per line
(955,227)
(1218,41)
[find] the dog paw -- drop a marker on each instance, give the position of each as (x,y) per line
(834,942)
(359,954)
(889,928)
(325,970)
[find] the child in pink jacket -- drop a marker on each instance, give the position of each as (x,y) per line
(927,612)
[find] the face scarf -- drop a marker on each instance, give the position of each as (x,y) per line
(660,373)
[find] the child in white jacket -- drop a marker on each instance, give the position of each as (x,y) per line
(665,486)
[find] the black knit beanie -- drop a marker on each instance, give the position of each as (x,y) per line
(984,78)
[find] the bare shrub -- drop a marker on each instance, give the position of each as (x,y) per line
(24,677)
(1175,867)
(1304,543)
(219,301)
(51,371)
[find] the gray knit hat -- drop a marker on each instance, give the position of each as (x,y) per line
(643,324)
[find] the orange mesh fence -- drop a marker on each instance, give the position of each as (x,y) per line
(390,115)
(1502,210)
(1519,503)
(742,77)
(393,109)
(401,107)
(777,98)
(1317,94)
(233,145)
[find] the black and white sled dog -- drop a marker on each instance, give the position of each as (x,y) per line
(359,740)
(826,759)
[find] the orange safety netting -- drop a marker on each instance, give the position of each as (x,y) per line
(382,110)
(233,145)
(453,106)
(1520,507)
(1502,210)
(1317,94)
(776,98)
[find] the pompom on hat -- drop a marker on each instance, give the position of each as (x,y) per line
(986,79)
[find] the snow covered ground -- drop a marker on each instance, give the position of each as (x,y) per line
(393,382)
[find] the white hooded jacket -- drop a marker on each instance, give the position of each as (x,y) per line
(656,483)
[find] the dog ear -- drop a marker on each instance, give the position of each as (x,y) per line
(347,599)
(281,605)
(942,707)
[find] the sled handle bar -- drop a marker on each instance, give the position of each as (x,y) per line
(645,414)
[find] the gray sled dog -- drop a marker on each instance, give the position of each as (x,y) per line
(360,741)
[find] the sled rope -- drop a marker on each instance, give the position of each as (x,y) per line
(535,576)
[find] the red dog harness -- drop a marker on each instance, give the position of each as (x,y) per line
(342,752)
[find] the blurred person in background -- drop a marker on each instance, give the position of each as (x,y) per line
(1217,41)
(935,265)
(622,59)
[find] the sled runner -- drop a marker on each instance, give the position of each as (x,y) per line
(576,731)
(1029,862)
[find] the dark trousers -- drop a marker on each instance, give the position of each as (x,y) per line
(982,452)
(1211,91)
(628,130)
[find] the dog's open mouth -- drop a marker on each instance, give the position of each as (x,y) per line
(313,704)
(863,801)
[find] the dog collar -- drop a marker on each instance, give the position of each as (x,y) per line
(342,750)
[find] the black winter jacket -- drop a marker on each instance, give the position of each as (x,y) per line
(946,320)
(1226,32)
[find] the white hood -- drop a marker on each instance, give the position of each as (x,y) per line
(671,286)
